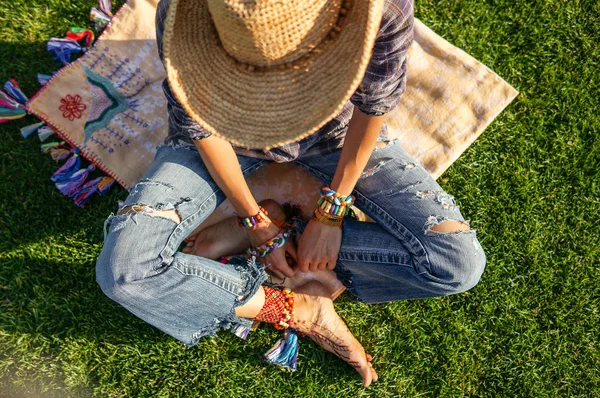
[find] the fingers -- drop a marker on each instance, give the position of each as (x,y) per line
(275,272)
(285,269)
(306,265)
(291,249)
(303,265)
(188,247)
(331,263)
(279,263)
(326,263)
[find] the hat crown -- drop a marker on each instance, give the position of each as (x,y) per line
(272,32)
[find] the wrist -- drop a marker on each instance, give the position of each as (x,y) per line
(258,234)
(254,220)
(327,219)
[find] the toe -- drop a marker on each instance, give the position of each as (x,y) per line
(374,374)
(367,376)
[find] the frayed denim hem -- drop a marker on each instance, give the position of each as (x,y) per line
(254,274)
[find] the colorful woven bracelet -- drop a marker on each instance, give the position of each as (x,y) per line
(251,221)
(272,244)
(330,208)
(330,221)
(335,198)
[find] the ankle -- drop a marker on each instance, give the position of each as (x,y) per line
(279,308)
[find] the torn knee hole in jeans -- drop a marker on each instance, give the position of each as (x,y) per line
(437,225)
(170,214)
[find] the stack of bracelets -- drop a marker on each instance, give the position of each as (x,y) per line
(266,248)
(332,207)
(275,243)
(251,221)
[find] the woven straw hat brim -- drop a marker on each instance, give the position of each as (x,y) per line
(266,109)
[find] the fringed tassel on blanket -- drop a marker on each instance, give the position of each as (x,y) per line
(32,128)
(98,185)
(66,170)
(50,145)
(285,352)
(12,102)
(59,154)
(81,34)
(63,48)
(13,89)
(44,133)
(43,79)
(105,185)
(102,15)
(70,185)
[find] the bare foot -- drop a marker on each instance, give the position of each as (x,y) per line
(226,238)
(315,316)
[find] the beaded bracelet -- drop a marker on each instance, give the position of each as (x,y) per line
(333,209)
(335,198)
(278,308)
(251,221)
(272,244)
(330,221)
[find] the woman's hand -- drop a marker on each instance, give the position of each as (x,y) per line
(276,261)
(319,246)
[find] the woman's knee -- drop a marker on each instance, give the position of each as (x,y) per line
(114,272)
(129,254)
(459,263)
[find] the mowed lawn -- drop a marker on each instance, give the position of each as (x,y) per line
(530,185)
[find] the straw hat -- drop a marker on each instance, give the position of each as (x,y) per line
(263,73)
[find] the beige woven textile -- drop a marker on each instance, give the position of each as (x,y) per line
(120,116)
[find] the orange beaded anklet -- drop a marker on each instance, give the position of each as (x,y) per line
(278,308)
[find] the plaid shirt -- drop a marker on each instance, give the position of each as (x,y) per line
(379,92)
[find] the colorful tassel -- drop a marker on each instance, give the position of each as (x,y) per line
(59,154)
(285,352)
(63,48)
(81,34)
(45,132)
(70,185)
(7,101)
(241,331)
(50,145)
(7,114)
(68,169)
(102,16)
(83,194)
(105,6)
(43,79)
(99,18)
(12,88)
(105,185)
(12,100)
(32,128)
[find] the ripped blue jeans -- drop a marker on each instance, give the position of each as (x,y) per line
(187,296)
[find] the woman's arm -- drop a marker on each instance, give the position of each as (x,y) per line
(223,166)
(361,136)
(319,245)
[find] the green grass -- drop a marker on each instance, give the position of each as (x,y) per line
(530,185)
